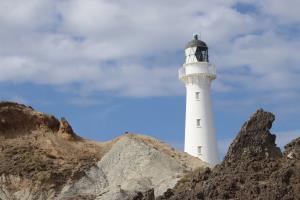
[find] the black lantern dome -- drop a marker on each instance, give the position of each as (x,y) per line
(196,43)
(197,49)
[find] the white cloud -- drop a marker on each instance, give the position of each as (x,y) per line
(285,11)
(124,79)
(62,43)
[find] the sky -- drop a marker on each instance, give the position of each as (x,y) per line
(110,66)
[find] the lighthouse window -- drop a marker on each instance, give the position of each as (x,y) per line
(199,150)
(197,95)
(198,122)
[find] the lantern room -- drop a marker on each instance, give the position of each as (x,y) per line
(196,51)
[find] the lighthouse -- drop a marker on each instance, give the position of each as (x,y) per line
(197,73)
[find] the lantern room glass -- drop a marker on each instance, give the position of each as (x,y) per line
(196,54)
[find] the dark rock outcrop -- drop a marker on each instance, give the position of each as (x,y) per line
(147,195)
(254,168)
(254,140)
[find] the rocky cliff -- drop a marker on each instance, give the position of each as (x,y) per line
(42,158)
(254,168)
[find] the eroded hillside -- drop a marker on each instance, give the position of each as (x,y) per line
(42,158)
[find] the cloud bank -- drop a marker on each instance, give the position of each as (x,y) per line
(134,48)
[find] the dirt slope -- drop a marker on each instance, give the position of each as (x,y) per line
(42,158)
(43,149)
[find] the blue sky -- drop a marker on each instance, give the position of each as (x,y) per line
(111,66)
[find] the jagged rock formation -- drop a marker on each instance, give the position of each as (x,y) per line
(42,158)
(254,168)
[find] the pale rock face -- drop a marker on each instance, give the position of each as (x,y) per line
(92,183)
(128,167)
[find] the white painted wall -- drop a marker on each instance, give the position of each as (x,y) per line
(197,77)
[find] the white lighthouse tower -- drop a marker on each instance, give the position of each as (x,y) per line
(197,74)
